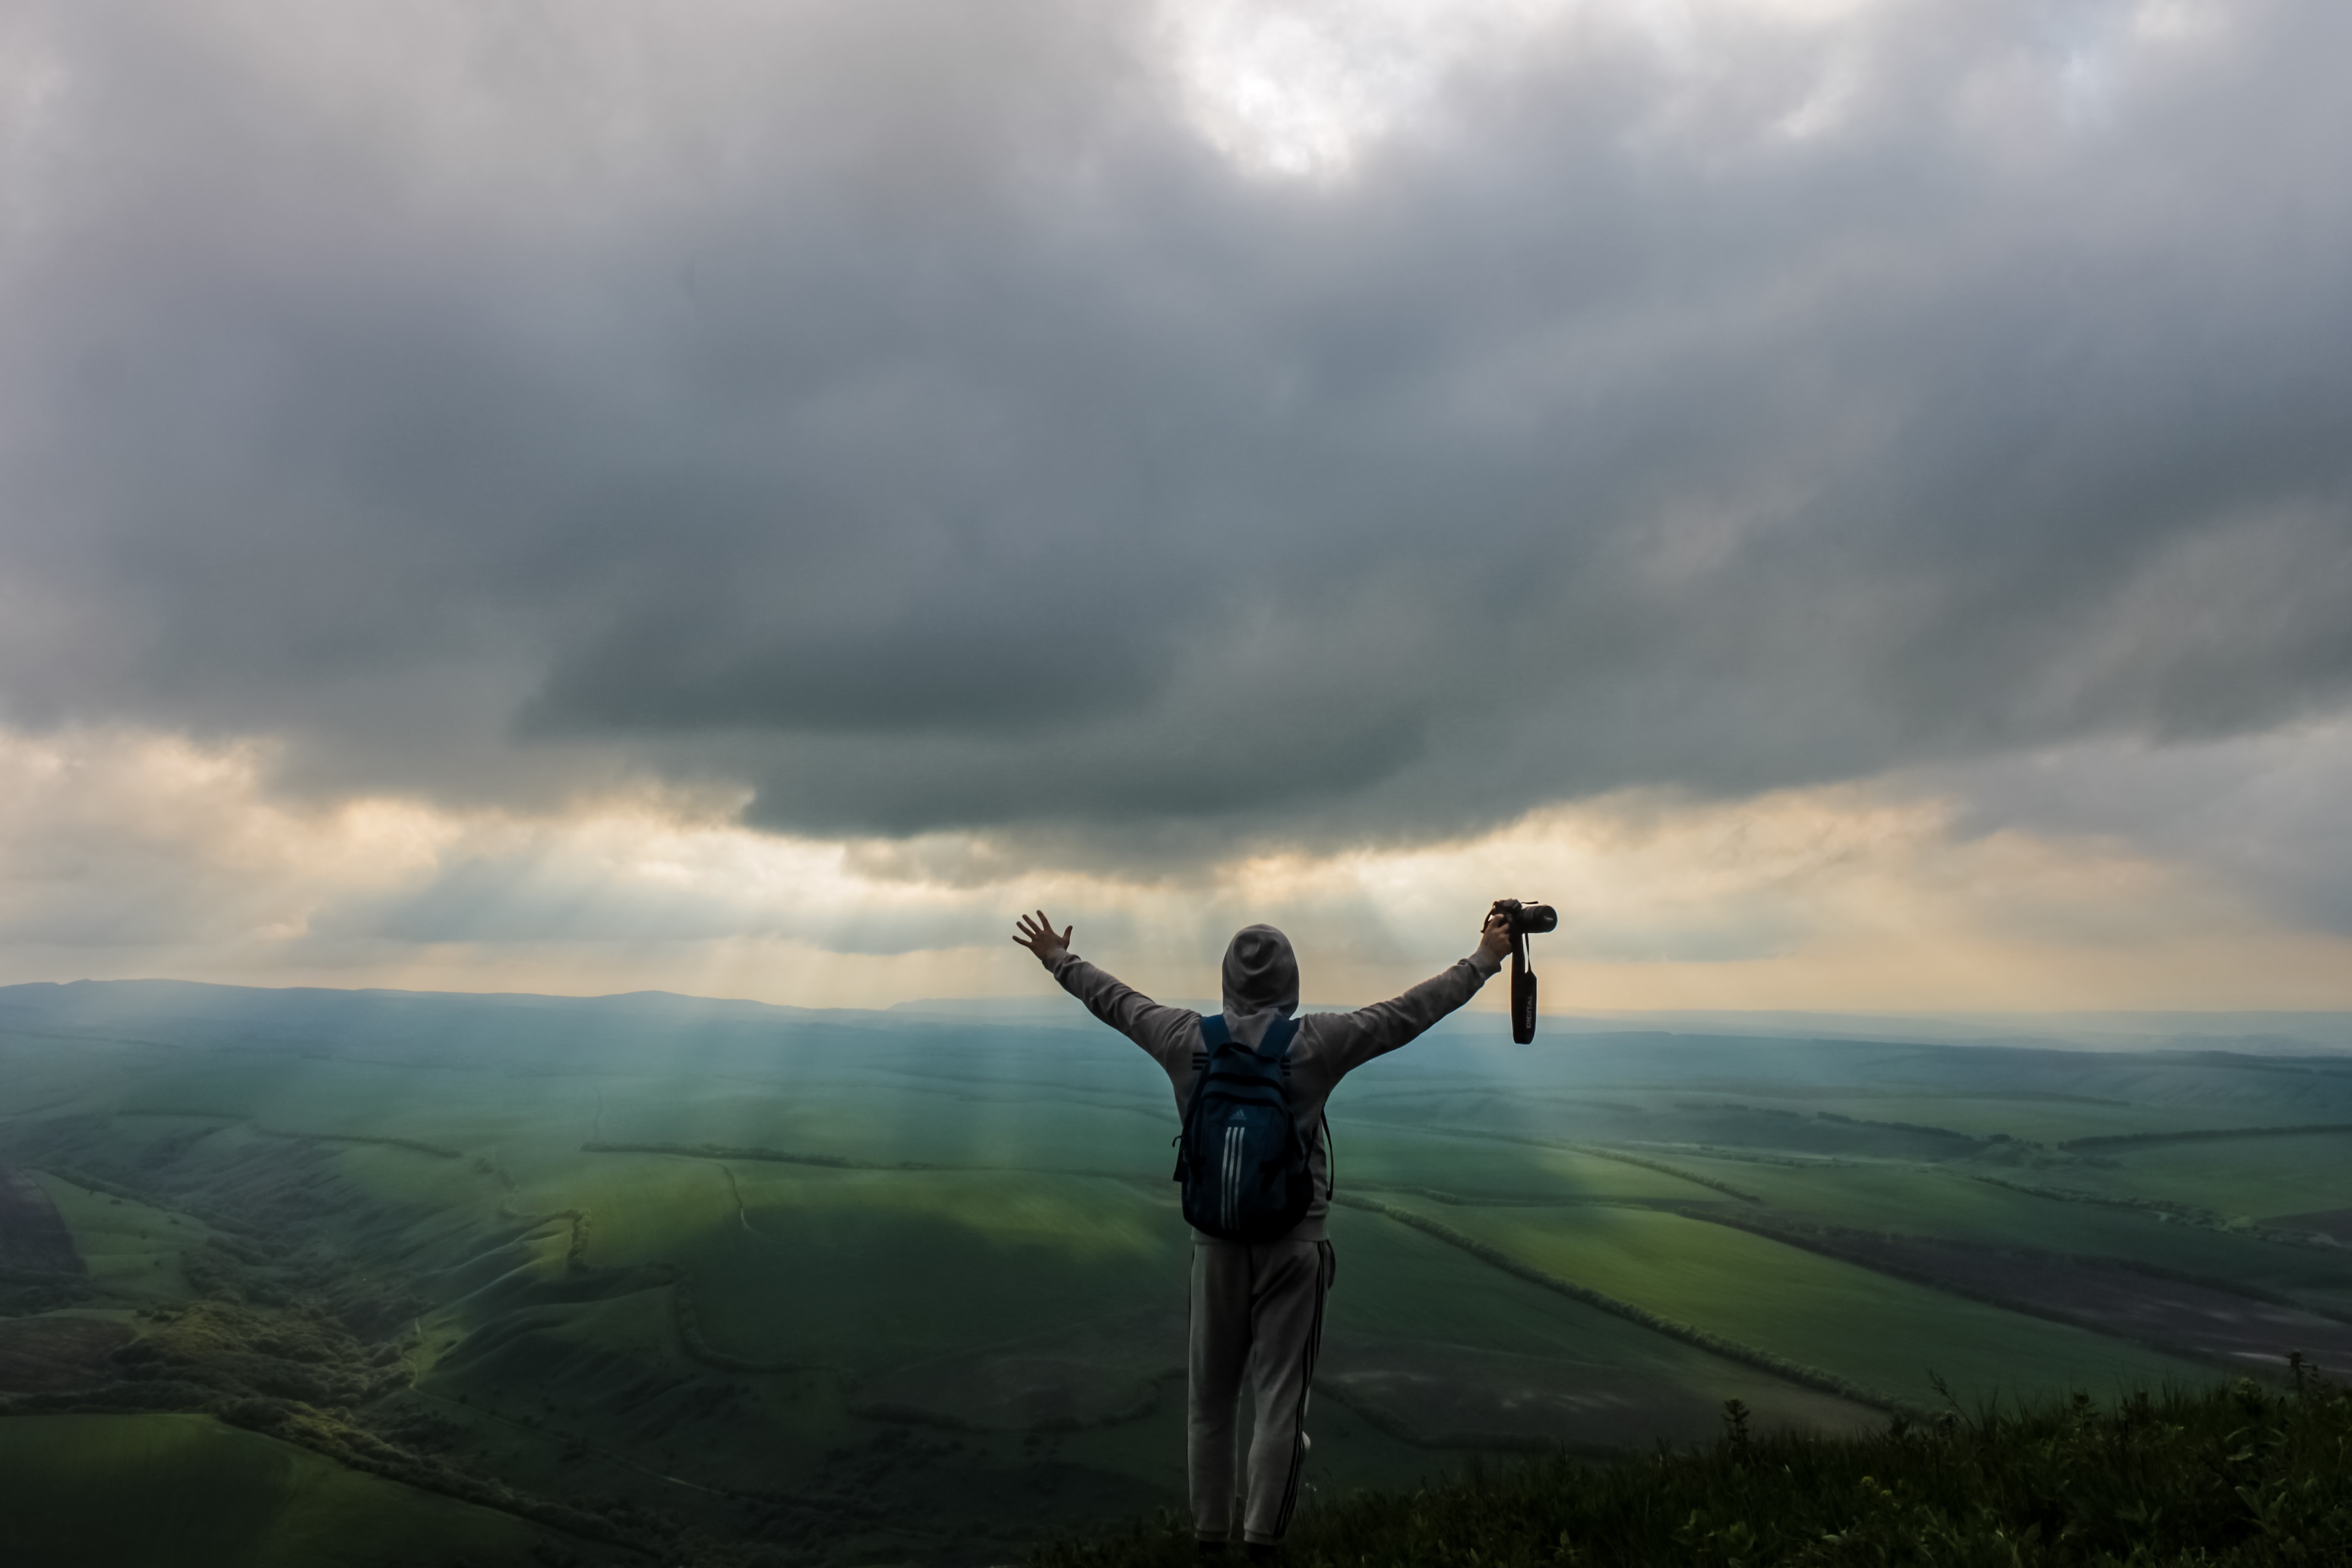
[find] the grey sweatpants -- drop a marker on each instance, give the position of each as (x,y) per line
(1257,1316)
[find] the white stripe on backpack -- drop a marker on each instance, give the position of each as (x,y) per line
(1232,1187)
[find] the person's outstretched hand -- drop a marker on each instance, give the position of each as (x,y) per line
(1495,939)
(1035,933)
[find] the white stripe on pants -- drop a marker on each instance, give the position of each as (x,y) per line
(1257,1318)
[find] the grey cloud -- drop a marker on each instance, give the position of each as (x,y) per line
(2262,813)
(909,418)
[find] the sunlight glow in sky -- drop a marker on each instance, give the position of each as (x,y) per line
(1306,89)
(1841,897)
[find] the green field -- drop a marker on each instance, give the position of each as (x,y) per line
(2252,1177)
(186,1490)
(645,1278)
(1887,1334)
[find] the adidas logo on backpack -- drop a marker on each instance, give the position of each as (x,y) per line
(1243,1168)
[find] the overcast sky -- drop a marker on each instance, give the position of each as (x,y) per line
(1853,497)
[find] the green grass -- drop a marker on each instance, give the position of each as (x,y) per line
(1407,1302)
(2215,1479)
(1953,1204)
(132,1250)
(1376,1154)
(843,1267)
(2047,1121)
(986,1118)
(188,1491)
(1885,1335)
(2239,1176)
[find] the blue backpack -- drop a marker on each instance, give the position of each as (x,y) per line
(1243,1168)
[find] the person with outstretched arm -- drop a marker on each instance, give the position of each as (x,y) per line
(1257,1302)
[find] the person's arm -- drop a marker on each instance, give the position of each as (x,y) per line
(1351,1039)
(1169,1033)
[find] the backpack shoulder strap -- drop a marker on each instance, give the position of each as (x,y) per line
(1277,1044)
(1214,1037)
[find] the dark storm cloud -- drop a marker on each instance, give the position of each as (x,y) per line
(901,410)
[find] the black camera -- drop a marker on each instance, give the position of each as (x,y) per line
(1527,919)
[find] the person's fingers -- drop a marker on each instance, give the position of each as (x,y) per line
(1037,930)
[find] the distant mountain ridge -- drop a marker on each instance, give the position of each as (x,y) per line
(93,1003)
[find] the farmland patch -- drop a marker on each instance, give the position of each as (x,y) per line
(1443,1395)
(1882,1334)
(2176,1316)
(217,1497)
(1095,1375)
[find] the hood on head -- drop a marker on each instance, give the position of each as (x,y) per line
(1261,974)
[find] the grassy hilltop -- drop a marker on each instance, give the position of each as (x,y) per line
(2226,1477)
(514,1279)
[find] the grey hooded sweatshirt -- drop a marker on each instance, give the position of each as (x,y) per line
(1261,982)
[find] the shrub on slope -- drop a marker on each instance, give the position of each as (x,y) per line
(2239,1477)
